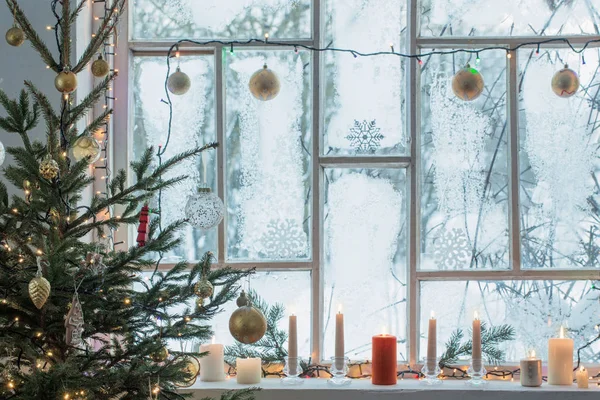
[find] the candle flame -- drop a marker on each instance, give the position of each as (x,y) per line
(384,330)
(561,333)
(582,368)
(214,339)
(532,354)
(432,314)
(339,308)
(476,315)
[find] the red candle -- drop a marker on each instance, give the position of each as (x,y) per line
(383,371)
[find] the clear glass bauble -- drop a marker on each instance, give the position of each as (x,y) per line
(86,146)
(204,210)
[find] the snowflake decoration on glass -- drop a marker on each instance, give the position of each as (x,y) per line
(284,239)
(451,250)
(365,137)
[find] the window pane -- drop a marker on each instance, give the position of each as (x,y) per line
(365,257)
(364,97)
(268,159)
(229,19)
(507,18)
(535,309)
(193,125)
(464,217)
(559,163)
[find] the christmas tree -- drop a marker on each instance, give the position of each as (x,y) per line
(71,324)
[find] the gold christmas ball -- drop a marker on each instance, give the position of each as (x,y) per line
(100,68)
(179,82)
(242,300)
(160,355)
(49,168)
(191,370)
(65,82)
(15,36)
(565,82)
(203,289)
(39,291)
(467,84)
(86,146)
(264,84)
(247,324)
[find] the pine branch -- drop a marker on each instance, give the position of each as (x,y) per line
(88,102)
(97,123)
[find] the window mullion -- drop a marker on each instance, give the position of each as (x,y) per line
(220,124)
(513,163)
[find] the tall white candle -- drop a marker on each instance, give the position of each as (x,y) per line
(293,344)
(476,357)
(432,344)
(339,339)
(560,360)
(582,378)
(248,370)
(212,366)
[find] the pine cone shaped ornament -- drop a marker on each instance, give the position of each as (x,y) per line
(39,287)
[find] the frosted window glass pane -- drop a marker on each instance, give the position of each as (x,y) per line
(559,163)
(364,97)
(365,257)
(464,191)
(535,309)
(268,159)
(229,19)
(510,17)
(193,125)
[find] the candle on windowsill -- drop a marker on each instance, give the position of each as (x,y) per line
(249,371)
(560,360)
(339,339)
(293,344)
(582,378)
(476,356)
(531,371)
(212,366)
(384,359)
(432,344)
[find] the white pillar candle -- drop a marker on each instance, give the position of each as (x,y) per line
(293,344)
(432,344)
(582,378)
(339,339)
(212,365)
(531,371)
(476,354)
(248,370)
(560,360)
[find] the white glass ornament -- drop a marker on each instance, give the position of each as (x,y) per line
(204,210)
(179,82)
(86,146)
(2,153)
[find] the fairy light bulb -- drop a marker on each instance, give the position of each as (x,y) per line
(508,54)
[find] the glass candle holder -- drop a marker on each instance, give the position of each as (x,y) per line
(431,372)
(339,370)
(477,373)
(292,370)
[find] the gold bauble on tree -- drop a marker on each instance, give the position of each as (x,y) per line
(15,36)
(247,324)
(65,82)
(86,146)
(179,82)
(100,67)
(565,82)
(191,369)
(160,355)
(264,84)
(39,287)
(49,168)
(203,289)
(467,84)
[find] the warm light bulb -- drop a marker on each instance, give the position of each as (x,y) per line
(266,36)
(508,54)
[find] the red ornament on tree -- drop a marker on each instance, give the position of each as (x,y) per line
(142,236)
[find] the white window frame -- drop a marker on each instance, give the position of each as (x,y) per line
(127,48)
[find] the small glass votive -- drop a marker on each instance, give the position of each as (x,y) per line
(477,373)
(292,370)
(431,372)
(339,370)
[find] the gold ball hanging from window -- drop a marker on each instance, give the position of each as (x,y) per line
(15,36)
(264,84)
(65,82)
(49,168)
(204,289)
(100,67)
(565,82)
(467,84)
(179,82)
(86,146)
(247,324)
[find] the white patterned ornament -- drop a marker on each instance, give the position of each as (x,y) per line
(2,153)
(204,210)
(565,82)
(467,84)
(86,146)
(74,323)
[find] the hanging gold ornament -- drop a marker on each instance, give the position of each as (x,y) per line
(199,302)
(39,287)
(160,355)
(467,84)
(179,82)
(49,168)
(65,81)
(565,82)
(203,289)
(100,67)
(247,324)
(264,84)
(191,370)
(15,36)
(86,146)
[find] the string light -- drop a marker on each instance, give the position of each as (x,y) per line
(392,47)
(537,51)
(508,54)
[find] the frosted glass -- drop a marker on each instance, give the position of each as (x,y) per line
(559,163)
(193,126)
(365,257)
(464,191)
(364,98)
(509,17)
(268,162)
(229,19)
(535,309)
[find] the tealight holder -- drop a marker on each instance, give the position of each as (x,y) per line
(292,371)
(339,370)
(431,375)
(477,374)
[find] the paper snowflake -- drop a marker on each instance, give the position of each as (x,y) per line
(451,250)
(365,137)
(284,240)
